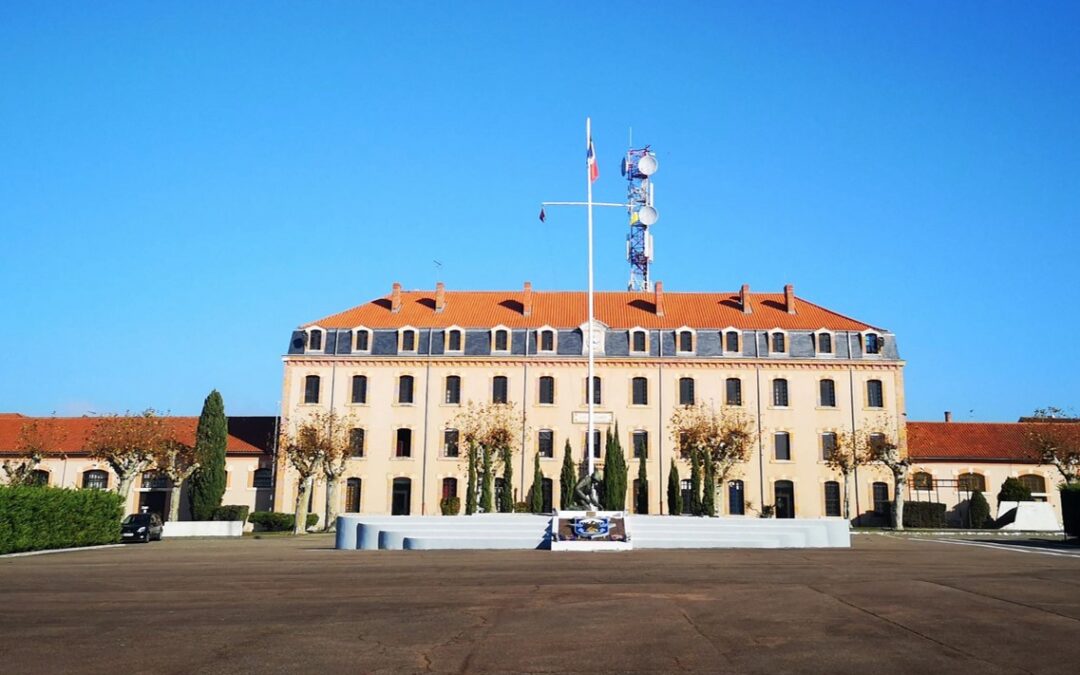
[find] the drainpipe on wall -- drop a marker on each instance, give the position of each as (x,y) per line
(760,447)
(427,405)
(851,397)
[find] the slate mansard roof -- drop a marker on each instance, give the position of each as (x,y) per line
(568,309)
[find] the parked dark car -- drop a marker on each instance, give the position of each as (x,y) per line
(141,527)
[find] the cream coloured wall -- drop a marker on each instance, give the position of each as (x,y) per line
(995,474)
(803,418)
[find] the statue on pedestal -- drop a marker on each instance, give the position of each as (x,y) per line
(586,498)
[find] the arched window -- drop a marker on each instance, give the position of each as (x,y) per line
(352,495)
(449,488)
(827,397)
(363,340)
(832,498)
(405,389)
(1033,482)
(686,391)
(970,482)
(311,389)
(454,340)
(263,478)
(403,446)
(315,340)
(453,390)
(872,343)
(731,342)
(733,391)
(685,341)
(824,343)
(782,446)
(500,340)
(359,389)
(401,497)
(922,481)
(39,477)
(547,390)
(95,479)
(828,445)
(639,341)
(155,480)
(779,343)
(356,442)
(780,392)
(875,397)
(450,443)
(639,391)
(408,340)
(736,498)
(547,340)
(500,389)
(881,498)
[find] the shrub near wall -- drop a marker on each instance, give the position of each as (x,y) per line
(40,518)
(231,512)
(924,514)
(272,521)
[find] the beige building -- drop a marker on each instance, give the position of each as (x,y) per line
(405,365)
(249,463)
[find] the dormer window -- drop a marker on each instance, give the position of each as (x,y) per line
(500,340)
(778,342)
(823,342)
(407,340)
(872,343)
(684,341)
(315,340)
(455,340)
(639,341)
(732,341)
(362,340)
(545,340)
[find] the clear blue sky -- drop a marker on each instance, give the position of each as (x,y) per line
(183,183)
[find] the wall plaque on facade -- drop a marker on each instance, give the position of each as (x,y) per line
(582,417)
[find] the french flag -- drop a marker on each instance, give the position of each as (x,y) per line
(590,161)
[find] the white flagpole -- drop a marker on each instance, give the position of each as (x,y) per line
(589,337)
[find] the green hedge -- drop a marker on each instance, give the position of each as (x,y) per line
(924,514)
(231,512)
(39,518)
(272,521)
(451,506)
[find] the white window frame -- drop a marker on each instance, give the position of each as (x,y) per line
(787,341)
(881,343)
(630,346)
(554,340)
(509,340)
(370,339)
(817,343)
(446,340)
(401,340)
(307,340)
(693,341)
(723,341)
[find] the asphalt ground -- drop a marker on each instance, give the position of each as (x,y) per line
(888,605)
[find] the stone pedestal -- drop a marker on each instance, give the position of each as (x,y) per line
(590,531)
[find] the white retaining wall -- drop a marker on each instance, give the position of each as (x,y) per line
(204,528)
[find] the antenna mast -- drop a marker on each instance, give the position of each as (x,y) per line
(638,166)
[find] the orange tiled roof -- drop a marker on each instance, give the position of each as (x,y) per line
(994,441)
(73,432)
(568,309)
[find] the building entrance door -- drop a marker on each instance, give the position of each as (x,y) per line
(785,499)
(402,497)
(154,501)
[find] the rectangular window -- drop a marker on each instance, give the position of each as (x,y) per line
(686,391)
(596,444)
(499,389)
(782,445)
(824,345)
(547,341)
(359,389)
(545,443)
(733,391)
(453,341)
(405,389)
(502,340)
(403,448)
(832,498)
(780,393)
(597,391)
(731,341)
(686,341)
(828,445)
(408,341)
(779,343)
(311,389)
(450,443)
(639,394)
(875,397)
(873,343)
(828,394)
(638,341)
(881,499)
(453,390)
(356,442)
(641,444)
(547,390)
(363,341)
(736,498)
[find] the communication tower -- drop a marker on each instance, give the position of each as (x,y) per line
(638,166)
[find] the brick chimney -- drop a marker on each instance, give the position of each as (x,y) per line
(658,288)
(744,299)
(395,298)
(526,299)
(440,296)
(948,416)
(789,298)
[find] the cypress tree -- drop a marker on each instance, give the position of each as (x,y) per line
(536,499)
(642,505)
(470,489)
(208,482)
(708,497)
(487,484)
(506,497)
(615,473)
(694,507)
(674,493)
(567,479)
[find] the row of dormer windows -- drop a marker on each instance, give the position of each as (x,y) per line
(547,339)
(639,391)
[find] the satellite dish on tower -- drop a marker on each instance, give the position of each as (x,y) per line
(648,215)
(647,165)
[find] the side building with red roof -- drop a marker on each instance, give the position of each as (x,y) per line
(405,366)
(249,460)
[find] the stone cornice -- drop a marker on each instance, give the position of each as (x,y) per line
(618,362)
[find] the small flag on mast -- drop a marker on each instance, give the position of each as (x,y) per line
(543,216)
(590,161)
